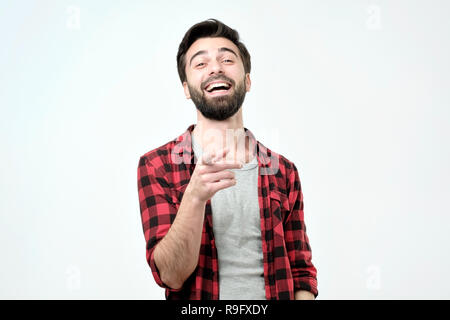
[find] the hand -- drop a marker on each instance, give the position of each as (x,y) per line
(211,175)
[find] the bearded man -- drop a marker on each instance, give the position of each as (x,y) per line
(222,214)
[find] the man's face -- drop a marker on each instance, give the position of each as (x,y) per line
(215,61)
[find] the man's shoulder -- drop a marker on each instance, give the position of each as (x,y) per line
(160,155)
(167,152)
(284,164)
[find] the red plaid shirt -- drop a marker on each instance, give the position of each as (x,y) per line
(163,175)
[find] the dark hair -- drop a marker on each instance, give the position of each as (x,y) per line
(209,28)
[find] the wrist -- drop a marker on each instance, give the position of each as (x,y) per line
(191,197)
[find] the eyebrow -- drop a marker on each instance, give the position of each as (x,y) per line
(223,49)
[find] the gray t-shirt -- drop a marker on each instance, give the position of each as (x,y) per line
(237,233)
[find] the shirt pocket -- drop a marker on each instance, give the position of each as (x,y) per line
(279,205)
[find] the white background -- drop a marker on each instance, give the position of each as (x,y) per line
(355,93)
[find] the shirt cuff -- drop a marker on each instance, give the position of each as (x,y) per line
(308,284)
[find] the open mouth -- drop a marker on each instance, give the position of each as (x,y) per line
(218,88)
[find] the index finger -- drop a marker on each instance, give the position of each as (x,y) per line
(207,158)
(221,154)
(212,157)
(220,166)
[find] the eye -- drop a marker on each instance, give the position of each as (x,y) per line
(200,64)
(228,60)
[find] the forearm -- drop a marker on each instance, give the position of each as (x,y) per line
(303,295)
(176,255)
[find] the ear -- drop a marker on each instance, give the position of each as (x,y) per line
(186,90)
(248,82)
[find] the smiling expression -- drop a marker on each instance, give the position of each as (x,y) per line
(216,80)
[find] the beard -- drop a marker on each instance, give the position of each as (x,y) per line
(219,107)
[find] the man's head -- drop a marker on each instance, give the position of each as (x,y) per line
(211,53)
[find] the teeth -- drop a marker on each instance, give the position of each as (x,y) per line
(218,84)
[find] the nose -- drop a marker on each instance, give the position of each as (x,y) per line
(215,67)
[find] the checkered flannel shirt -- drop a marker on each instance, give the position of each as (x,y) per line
(163,175)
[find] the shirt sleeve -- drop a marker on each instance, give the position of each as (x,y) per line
(157,211)
(297,243)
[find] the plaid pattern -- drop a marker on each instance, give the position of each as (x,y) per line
(163,175)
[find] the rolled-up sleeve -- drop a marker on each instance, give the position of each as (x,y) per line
(298,248)
(157,211)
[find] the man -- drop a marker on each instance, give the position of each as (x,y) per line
(222,214)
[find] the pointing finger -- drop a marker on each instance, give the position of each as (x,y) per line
(221,154)
(207,158)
